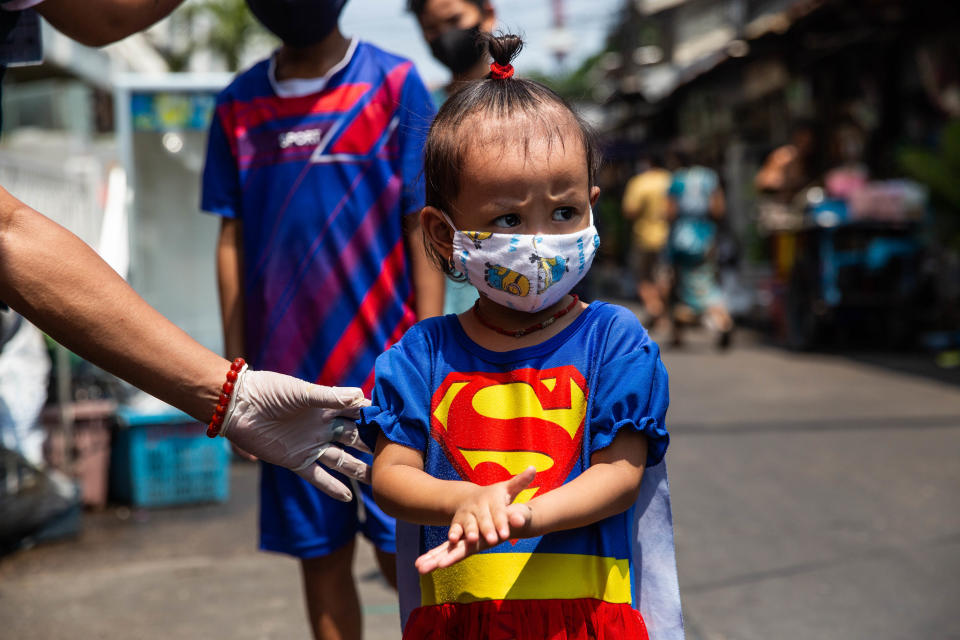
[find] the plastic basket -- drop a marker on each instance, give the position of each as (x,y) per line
(85,455)
(165,458)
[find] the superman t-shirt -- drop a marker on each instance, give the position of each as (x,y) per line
(483,416)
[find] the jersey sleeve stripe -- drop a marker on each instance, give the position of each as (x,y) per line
(365,321)
(373,120)
(321,288)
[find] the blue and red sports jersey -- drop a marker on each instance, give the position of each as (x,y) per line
(484,416)
(321,182)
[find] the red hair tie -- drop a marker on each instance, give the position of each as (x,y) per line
(501,71)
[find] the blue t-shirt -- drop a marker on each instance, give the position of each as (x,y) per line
(692,188)
(483,416)
(322,182)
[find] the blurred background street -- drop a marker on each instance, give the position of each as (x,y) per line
(814,496)
(808,307)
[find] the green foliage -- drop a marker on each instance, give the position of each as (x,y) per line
(574,85)
(939,169)
(233,26)
(224,27)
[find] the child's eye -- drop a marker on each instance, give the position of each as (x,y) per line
(508,220)
(564,214)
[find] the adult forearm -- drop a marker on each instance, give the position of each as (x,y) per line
(97,23)
(61,285)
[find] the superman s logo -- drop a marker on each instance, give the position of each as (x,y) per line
(492,426)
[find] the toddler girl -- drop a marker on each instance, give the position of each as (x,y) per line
(518,432)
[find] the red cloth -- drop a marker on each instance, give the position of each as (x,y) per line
(585,619)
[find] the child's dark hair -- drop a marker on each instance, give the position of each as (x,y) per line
(500,95)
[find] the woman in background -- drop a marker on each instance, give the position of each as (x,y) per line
(453,29)
(696,205)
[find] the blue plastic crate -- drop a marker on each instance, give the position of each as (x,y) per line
(165,458)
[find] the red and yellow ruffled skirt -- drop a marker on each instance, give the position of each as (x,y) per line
(580,619)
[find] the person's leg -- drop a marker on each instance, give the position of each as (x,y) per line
(650,295)
(647,286)
(388,566)
(682,317)
(299,520)
(684,311)
(381,530)
(635,268)
(720,318)
(333,605)
(722,323)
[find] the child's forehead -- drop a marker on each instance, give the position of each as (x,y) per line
(547,121)
(527,139)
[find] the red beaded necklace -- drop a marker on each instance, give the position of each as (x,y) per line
(518,333)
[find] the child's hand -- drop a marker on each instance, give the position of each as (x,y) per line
(486,519)
(519,517)
(484,513)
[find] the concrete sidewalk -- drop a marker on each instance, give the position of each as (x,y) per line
(814,496)
(188,572)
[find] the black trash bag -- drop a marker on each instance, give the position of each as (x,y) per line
(33,502)
(727,249)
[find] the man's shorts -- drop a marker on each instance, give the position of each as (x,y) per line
(648,266)
(298,519)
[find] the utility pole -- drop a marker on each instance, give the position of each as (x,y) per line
(560,41)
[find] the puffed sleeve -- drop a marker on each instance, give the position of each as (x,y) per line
(400,399)
(632,392)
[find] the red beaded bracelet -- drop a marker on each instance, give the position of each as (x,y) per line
(216,422)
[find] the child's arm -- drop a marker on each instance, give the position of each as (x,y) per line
(229,281)
(608,487)
(403,490)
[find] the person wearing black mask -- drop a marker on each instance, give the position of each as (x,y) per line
(313,165)
(451,28)
(60,284)
(57,282)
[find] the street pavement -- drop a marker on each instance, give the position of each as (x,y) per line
(815,496)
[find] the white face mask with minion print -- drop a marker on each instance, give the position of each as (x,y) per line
(524,272)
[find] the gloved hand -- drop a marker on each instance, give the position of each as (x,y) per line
(291,423)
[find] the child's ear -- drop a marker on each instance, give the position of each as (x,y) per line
(437,230)
(594,195)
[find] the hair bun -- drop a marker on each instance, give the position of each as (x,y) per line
(504,47)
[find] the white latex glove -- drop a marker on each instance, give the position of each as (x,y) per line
(291,423)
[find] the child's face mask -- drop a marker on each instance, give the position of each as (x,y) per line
(524,272)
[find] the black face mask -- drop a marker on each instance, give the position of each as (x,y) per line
(458,49)
(299,23)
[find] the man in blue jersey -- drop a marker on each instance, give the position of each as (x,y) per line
(314,162)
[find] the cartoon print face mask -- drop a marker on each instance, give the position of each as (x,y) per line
(523,271)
